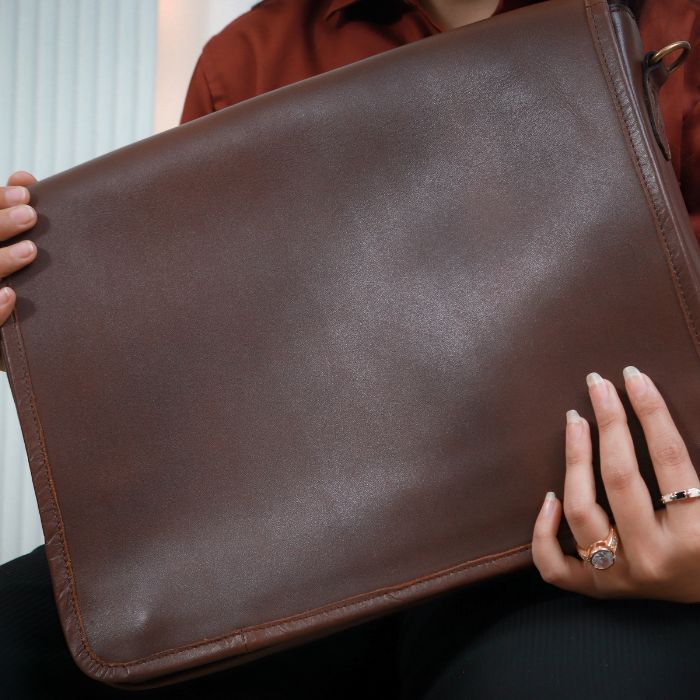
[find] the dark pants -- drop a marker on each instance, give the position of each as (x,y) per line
(512,637)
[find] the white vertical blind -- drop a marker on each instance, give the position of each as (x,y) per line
(78,81)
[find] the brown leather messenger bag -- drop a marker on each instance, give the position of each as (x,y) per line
(304,361)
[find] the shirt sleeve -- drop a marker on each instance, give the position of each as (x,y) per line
(198,100)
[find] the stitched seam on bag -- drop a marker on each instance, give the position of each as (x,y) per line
(659,225)
(340,605)
(60,530)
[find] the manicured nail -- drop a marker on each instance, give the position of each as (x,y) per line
(5,295)
(594,378)
(630,373)
(549,501)
(22,214)
(572,416)
(15,195)
(23,249)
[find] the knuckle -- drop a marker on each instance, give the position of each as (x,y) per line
(575,459)
(540,537)
(650,405)
(669,453)
(577,512)
(617,476)
(611,418)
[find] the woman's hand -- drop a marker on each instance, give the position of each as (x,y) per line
(658,554)
(16,216)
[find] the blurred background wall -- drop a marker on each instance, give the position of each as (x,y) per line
(82,78)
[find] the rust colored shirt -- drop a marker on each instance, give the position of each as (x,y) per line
(278,42)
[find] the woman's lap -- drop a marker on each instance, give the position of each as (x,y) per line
(519,637)
(514,636)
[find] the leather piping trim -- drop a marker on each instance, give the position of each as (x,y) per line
(56,530)
(619,7)
(627,120)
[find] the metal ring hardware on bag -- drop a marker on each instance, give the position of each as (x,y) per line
(670,48)
(654,74)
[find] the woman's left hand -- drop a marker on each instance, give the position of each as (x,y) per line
(658,554)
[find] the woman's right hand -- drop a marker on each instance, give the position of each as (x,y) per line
(16,216)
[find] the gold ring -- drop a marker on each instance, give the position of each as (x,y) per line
(601,554)
(670,48)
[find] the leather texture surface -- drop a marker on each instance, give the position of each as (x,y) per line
(306,360)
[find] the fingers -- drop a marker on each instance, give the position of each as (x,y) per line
(626,490)
(641,545)
(587,519)
(21,177)
(554,566)
(15,256)
(13,195)
(16,220)
(669,454)
(16,215)
(7,303)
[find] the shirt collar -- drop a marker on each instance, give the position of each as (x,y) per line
(336,5)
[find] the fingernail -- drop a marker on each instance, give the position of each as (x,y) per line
(594,378)
(5,294)
(15,195)
(22,214)
(631,372)
(573,418)
(24,249)
(549,501)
